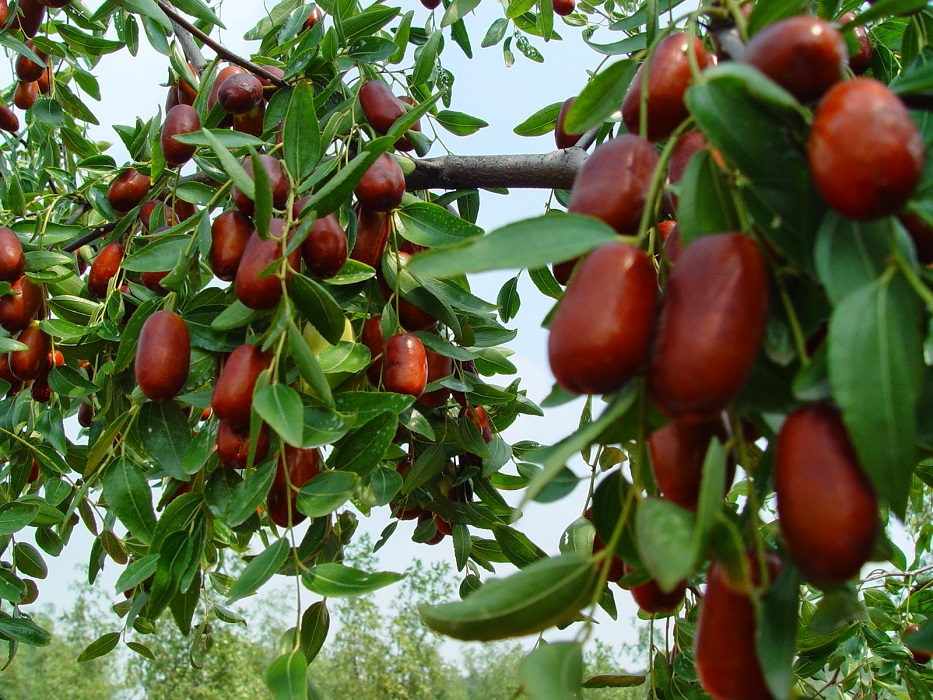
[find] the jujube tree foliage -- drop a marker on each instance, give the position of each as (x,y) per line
(263,325)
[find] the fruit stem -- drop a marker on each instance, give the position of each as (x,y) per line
(911,275)
(800,342)
(656,186)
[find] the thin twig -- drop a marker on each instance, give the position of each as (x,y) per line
(897,574)
(90,236)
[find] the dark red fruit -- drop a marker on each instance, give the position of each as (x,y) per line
(602,329)
(85,414)
(431,4)
(8,119)
(153,281)
(860,61)
(382,186)
(827,509)
(40,390)
(240,93)
(33,472)
(268,87)
(301,467)
(372,339)
(30,363)
(54,3)
(277,179)
(12,260)
(669,77)
(104,268)
(44,83)
(866,154)
(230,233)
(405,365)
(316,16)
(251,122)
(30,16)
(20,307)
(921,656)
(710,328)
(27,70)
(617,567)
(372,235)
(478,416)
(25,95)
(561,137)
(264,292)
(4,12)
(687,146)
(677,453)
(439,366)
(181,119)
(127,190)
(222,75)
(233,393)
(163,355)
(380,106)
(325,249)
(652,600)
(804,55)
(148,209)
(563,8)
(438,535)
(233,445)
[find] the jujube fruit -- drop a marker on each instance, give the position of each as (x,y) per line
(652,600)
(28,70)
(860,61)
(439,366)
(372,235)
(325,249)
(372,339)
(239,93)
(804,55)
(563,7)
(104,268)
(181,119)
(85,414)
(710,328)
(233,445)
(827,509)
(688,145)
(381,108)
(30,17)
(163,356)
(277,179)
(21,306)
(230,233)
(669,77)
(561,137)
(382,186)
(601,332)
(264,292)
(25,95)
(233,393)
(251,122)
(219,80)
(44,83)
(12,260)
(8,119)
(677,452)
(866,154)
(28,364)
(127,190)
(405,365)
(301,466)
(153,281)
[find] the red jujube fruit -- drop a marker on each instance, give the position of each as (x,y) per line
(163,356)
(8,119)
(382,109)
(29,364)
(12,260)
(711,325)
(127,190)
(302,466)
(652,600)
(439,366)
(561,137)
(325,249)
(827,509)
(25,95)
(264,292)
(601,332)
(382,186)
(28,70)
(677,452)
(20,307)
(233,445)
(372,339)
(230,233)
(104,268)
(30,17)
(405,365)
(181,119)
(240,93)
(372,235)
(233,393)
(278,180)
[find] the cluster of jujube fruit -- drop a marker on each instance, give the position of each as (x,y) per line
(691,320)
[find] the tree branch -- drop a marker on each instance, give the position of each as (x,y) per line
(190,47)
(90,236)
(556,170)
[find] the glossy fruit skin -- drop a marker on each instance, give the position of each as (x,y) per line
(382,186)
(669,77)
(405,365)
(561,137)
(148,209)
(316,16)
(866,154)
(251,122)
(240,93)
(20,307)
(25,95)
(27,70)
(711,325)
(44,83)
(230,233)
(804,55)
(601,332)
(12,260)
(325,249)
(652,600)
(32,17)
(163,356)
(860,61)
(439,366)
(263,292)
(827,509)
(8,119)
(431,4)
(219,80)
(4,12)
(104,268)
(563,7)
(233,393)
(613,183)
(153,281)
(85,415)
(127,190)
(921,656)
(687,146)
(181,119)
(233,445)
(380,106)
(277,178)
(677,453)
(372,236)
(302,466)
(726,662)
(29,364)
(371,337)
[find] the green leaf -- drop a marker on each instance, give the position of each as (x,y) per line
(361,450)
(339,581)
(259,570)
(509,300)
(457,10)
(317,306)
(776,641)
(158,256)
(665,534)
(165,434)
(705,192)
(525,244)
(99,647)
(876,381)
(541,122)
(601,97)
(552,671)
(315,623)
(286,676)
(427,57)
(199,9)
(368,22)
(325,493)
(249,494)
(29,561)
(279,405)
(766,13)
(68,381)
(612,680)
(146,8)
(129,497)
(12,587)
(25,631)
(850,254)
(459,123)
(308,365)
(227,138)
(709,501)
(231,165)
(549,592)
(142,650)
(301,140)
(137,572)
(495,34)
(15,516)
(516,546)
(85,43)
(431,225)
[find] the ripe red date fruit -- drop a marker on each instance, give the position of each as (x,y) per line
(372,235)
(85,414)
(277,179)
(219,80)
(230,233)
(561,137)
(652,600)
(669,77)
(372,339)
(382,109)
(827,509)
(12,260)
(405,365)
(27,70)
(163,356)
(439,366)
(677,453)
(127,190)
(478,417)
(25,95)
(233,445)
(153,281)
(804,55)
(866,154)
(710,328)
(104,268)
(233,393)
(181,119)
(251,122)
(382,186)
(20,307)
(563,7)
(240,93)
(302,466)
(30,17)
(860,61)
(325,249)
(264,292)
(613,183)
(30,363)
(687,146)
(602,329)
(4,12)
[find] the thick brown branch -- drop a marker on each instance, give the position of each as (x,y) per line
(555,170)
(190,47)
(183,25)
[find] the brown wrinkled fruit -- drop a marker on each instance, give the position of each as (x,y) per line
(127,190)
(382,186)
(233,445)
(30,17)
(860,61)
(669,77)
(29,364)
(601,332)
(372,235)
(302,466)
(561,137)
(27,70)
(222,75)
(277,179)
(613,183)
(677,453)
(12,260)
(711,325)
(21,306)
(104,268)
(804,55)
(8,119)
(563,8)
(325,249)
(233,393)
(439,366)
(25,95)
(827,509)
(240,93)
(921,656)
(405,365)
(866,154)
(230,233)
(181,119)
(264,292)
(163,356)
